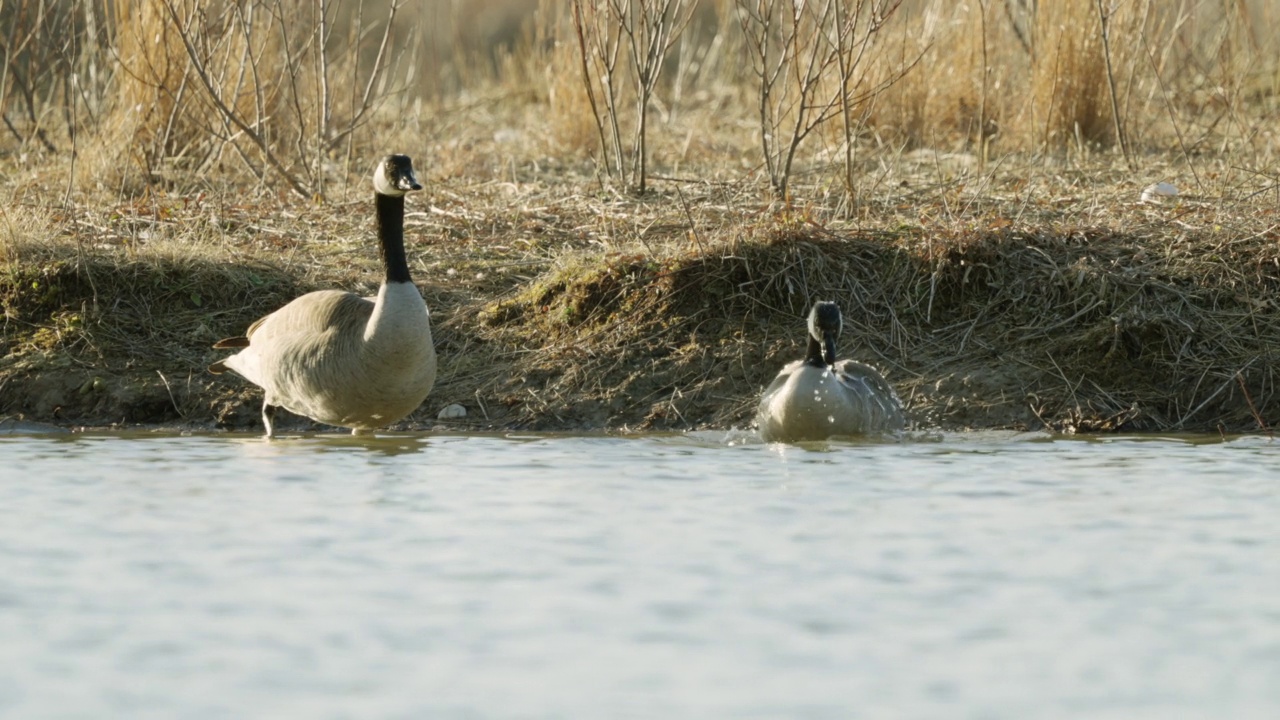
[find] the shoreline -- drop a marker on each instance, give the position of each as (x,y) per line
(1038,325)
(1013,243)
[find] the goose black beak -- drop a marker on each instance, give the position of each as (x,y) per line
(408,182)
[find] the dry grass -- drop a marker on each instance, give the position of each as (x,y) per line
(1038,82)
(1072,316)
(1003,300)
(992,258)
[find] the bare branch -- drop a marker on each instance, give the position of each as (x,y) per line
(226,112)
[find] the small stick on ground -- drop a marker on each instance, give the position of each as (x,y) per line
(1262,424)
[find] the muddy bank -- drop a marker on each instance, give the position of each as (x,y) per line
(1069,329)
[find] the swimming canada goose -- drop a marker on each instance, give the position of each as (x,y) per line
(339,358)
(817,398)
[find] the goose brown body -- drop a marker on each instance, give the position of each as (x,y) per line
(818,398)
(342,359)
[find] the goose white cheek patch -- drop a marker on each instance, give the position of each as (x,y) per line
(383,184)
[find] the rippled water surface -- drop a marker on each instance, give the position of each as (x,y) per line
(983,576)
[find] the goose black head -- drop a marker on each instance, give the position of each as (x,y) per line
(394,176)
(825,324)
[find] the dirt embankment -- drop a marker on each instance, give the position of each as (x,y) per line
(1155,328)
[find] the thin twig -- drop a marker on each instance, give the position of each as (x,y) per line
(226,112)
(1104,17)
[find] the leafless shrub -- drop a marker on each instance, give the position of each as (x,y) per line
(809,61)
(639,34)
(123,82)
(269,81)
(51,68)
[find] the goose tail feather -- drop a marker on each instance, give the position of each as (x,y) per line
(234,342)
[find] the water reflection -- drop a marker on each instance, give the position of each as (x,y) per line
(388,444)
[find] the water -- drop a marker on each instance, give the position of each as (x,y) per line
(984,576)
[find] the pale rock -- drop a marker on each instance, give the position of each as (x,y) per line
(1158,192)
(452,412)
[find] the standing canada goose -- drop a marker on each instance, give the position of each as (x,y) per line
(339,358)
(817,398)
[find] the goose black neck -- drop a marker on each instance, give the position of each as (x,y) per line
(391,236)
(814,355)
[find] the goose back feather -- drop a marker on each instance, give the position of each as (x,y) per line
(818,398)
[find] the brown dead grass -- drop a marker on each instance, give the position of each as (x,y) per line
(1041,297)
(983,323)
(1007,283)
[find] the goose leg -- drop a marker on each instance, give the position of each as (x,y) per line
(268,416)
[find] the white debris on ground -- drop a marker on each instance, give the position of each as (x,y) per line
(452,412)
(1158,192)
